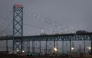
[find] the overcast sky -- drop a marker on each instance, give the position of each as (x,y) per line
(72,13)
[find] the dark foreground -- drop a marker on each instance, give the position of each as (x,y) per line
(39,56)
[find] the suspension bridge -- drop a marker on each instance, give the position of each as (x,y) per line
(21,42)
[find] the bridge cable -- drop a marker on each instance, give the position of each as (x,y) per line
(46,21)
(31,25)
(5,28)
(50,19)
(5,17)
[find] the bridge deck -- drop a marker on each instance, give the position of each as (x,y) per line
(58,37)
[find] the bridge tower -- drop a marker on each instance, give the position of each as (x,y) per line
(17,27)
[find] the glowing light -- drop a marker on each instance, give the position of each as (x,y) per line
(72,48)
(23,51)
(55,49)
(17,50)
(89,48)
(42,30)
(3,34)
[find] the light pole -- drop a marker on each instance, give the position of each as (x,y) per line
(72,48)
(23,51)
(17,51)
(55,50)
(89,48)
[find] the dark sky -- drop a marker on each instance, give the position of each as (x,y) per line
(72,13)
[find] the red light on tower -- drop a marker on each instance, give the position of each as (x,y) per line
(18,5)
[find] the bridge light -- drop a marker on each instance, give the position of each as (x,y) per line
(17,50)
(72,48)
(23,51)
(89,48)
(42,31)
(55,49)
(3,34)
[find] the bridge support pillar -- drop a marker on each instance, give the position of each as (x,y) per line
(17,27)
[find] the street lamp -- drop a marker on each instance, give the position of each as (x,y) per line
(55,49)
(89,48)
(23,51)
(17,50)
(72,48)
